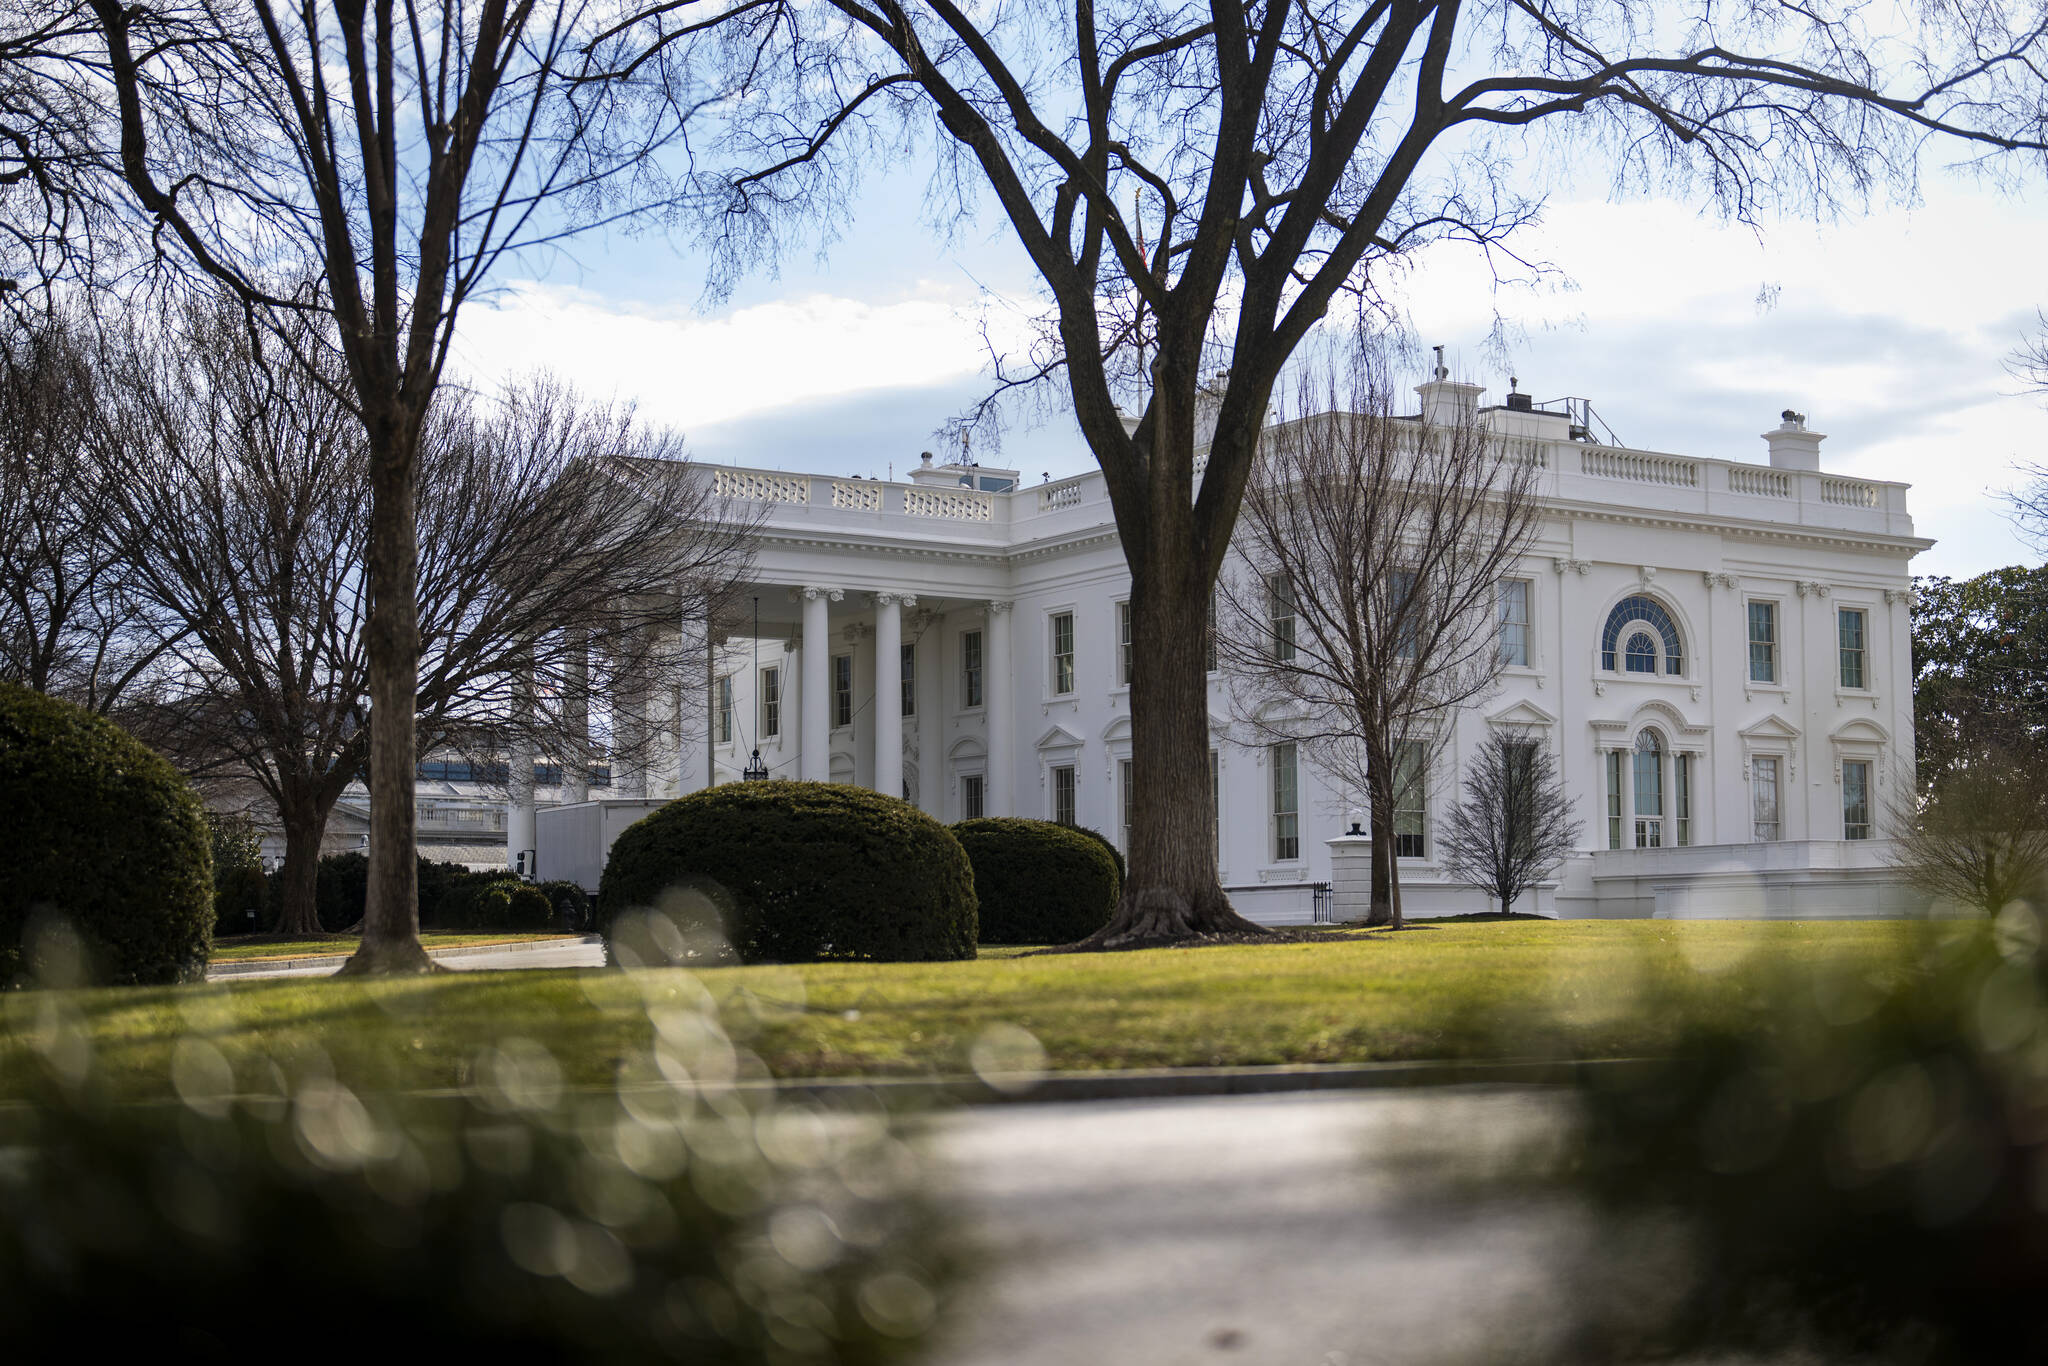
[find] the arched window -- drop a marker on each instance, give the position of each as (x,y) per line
(1641,655)
(1649,785)
(1651,613)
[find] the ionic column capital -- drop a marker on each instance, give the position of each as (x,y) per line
(998,606)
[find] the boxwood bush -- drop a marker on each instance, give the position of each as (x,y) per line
(1116,856)
(798,871)
(104,836)
(1037,882)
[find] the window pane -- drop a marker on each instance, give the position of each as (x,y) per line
(1063,794)
(1681,768)
(908,667)
(1514,622)
(771,702)
(970,796)
(1063,652)
(725,710)
(1123,644)
(1856,800)
(1411,838)
(1123,802)
(1763,783)
(1280,615)
(1642,654)
(1406,607)
(970,669)
(1286,805)
(1849,627)
(1763,642)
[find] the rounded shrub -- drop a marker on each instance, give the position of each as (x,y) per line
(506,903)
(1037,882)
(795,872)
(571,903)
(1116,856)
(106,838)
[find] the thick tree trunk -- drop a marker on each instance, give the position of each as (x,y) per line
(1171,893)
(1385,907)
(391,915)
(304,824)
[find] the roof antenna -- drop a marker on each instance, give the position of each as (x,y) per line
(1441,373)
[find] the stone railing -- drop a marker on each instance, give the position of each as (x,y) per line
(1851,493)
(856,495)
(1640,468)
(1762,483)
(1053,497)
(963,506)
(761,488)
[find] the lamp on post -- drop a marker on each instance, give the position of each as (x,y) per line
(756,771)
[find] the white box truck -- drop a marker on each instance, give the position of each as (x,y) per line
(572,842)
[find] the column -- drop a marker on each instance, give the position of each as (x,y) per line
(815,737)
(996,687)
(576,719)
(932,775)
(521,810)
(889,691)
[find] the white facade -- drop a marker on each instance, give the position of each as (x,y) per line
(1003,602)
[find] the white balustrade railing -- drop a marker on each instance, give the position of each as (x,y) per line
(1760,482)
(756,487)
(962,506)
(856,495)
(1640,468)
(1852,493)
(1056,496)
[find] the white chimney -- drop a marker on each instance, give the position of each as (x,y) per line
(1792,446)
(1445,402)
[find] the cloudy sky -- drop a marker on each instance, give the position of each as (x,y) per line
(1890,331)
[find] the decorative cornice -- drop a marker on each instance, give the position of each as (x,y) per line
(1715,579)
(1909,596)
(811,592)
(1813,587)
(1569,566)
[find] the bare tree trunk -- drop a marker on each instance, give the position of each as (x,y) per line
(1171,892)
(1380,797)
(299,915)
(391,914)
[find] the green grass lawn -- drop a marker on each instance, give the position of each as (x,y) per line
(1468,991)
(242,950)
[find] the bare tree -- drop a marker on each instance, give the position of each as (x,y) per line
(1980,838)
(1198,182)
(401,149)
(1381,544)
(247,532)
(1514,825)
(67,623)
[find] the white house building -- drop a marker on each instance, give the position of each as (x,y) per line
(1717,651)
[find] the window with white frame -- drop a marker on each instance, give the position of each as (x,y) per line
(1280,619)
(1062,653)
(1856,799)
(1763,797)
(1286,802)
(1650,630)
(1063,794)
(908,665)
(771,702)
(842,690)
(1123,803)
(970,668)
(1411,800)
(1681,795)
(1852,628)
(725,709)
(1763,642)
(1648,781)
(1123,644)
(1614,798)
(1407,607)
(970,796)
(1514,623)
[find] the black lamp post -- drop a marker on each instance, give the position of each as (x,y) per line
(756,771)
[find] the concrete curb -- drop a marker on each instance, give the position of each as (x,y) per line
(257,967)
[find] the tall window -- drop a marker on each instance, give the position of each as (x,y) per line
(1408,611)
(725,709)
(1123,645)
(970,668)
(1063,794)
(1649,785)
(1856,799)
(1641,655)
(1514,622)
(842,690)
(970,796)
(908,668)
(1286,804)
(1763,796)
(1062,652)
(1763,642)
(1123,801)
(1411,801)
(1614,799)
(1681,783)
(1851,626)
(1280,615)
(771,702)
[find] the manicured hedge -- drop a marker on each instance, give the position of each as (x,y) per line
(1116,856)
(104,835)
(799,871)
(1037,882)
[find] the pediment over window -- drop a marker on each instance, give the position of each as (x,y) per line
(1860,732)
(1059,737)
(1772,727)
(1117,731)
(967,747)
(1522,713)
